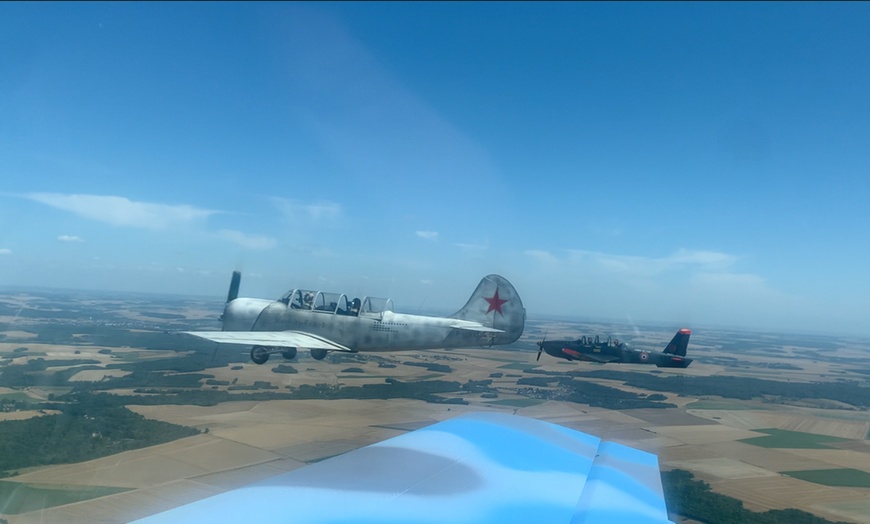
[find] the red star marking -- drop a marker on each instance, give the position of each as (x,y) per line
(495,303)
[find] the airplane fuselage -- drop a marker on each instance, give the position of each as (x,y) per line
(323,322)
(386,331)
(593,350)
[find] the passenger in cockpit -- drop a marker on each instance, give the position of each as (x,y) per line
(354,307)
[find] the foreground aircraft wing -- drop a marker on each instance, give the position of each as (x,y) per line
(475,468)
(297,339)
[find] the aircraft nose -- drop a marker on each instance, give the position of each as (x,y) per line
(242,313)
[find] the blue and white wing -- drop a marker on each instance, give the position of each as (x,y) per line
(476,468)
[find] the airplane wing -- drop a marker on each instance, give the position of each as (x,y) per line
(298,339)
(475,468)
(601,358)
(470,325)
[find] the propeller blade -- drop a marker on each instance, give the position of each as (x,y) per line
(541,347)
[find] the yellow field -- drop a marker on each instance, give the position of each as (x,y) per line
(724,468)
(19,334)
(808,421)
(94,375)
(26,414)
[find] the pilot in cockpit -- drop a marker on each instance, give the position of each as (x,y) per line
(308,300)
(354,307)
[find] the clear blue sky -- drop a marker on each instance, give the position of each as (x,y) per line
(686,163)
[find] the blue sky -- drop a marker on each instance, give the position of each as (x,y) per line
(690,164)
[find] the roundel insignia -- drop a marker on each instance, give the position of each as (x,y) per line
(644,356)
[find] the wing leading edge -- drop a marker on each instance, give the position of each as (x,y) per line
(476,468)
(301,339)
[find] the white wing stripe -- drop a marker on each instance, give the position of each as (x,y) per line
(270,338)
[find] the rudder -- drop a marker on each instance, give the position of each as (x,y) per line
(679,344)
(495,303)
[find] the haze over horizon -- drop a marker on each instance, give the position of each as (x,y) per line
(692,164)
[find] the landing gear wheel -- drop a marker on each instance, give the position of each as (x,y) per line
(259,354)
(288,353)
(318,354)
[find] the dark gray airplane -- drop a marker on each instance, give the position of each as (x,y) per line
(323,322)
(594,350)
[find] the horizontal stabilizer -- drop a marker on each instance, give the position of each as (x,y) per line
(473,326)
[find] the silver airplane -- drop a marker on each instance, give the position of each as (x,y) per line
(323,322)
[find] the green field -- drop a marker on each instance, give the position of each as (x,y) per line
(781,438)
(518,402)
(128,356)
(24,397)
(428,376)
(519,365)
(366,375)
(16,497)
(852,478)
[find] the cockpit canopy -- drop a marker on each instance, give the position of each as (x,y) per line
(376,305)
(335,303)
(596,341)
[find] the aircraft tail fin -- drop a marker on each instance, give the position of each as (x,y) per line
(496,304)
(233,293)
(679,344)
(234,286)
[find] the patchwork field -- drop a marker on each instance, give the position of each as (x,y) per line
(770,452)
(842,424)
(779,438)
(21,497)
(247,441)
